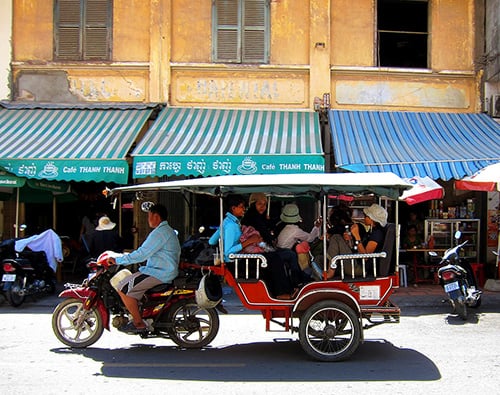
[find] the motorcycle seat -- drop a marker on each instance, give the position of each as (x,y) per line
(159,288)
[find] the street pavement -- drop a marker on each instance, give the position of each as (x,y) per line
(431,351)
(421,296)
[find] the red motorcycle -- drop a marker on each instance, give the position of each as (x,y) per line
(171,311)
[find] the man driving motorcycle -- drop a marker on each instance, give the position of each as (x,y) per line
(161,251)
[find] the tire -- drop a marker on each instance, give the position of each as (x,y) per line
(13,294)
(191,326)
(460,309)
(329,331)
(476,304)
(74,326)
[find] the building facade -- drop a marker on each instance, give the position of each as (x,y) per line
(424,56)
(429,56)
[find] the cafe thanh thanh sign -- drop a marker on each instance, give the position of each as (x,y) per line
(209,142)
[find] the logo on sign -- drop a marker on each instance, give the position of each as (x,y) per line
(49,171)
(248,166)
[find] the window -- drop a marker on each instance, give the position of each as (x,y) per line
(402,33)
(240,31)
(82,29)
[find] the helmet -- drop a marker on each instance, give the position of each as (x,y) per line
(209,292)
(102,259)
(118,277)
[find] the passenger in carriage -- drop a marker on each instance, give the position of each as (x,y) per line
(256,216)
(292,233)
(356,239)
(277,278)
(339,238)
(375,221)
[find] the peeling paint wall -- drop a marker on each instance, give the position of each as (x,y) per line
(162,53)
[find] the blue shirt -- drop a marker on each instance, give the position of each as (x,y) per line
(231,237)
(161,251)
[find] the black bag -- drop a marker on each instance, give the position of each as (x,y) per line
(206,256)
(191,249)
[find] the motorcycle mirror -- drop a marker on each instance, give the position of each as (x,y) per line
(23,227)
(433,253)
(458,234)
(201,229)
(146,206)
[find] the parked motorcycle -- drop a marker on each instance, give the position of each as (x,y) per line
(458,280)
(7,251)
(28,274)
(169,310)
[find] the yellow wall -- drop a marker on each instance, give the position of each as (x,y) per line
(352,32)
(131,29)
(32,30)
(162,53)
(452,39)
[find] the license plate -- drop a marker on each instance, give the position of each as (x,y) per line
(9,277)
(451,286)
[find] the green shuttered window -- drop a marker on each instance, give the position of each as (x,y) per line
(240,31)
(83,29)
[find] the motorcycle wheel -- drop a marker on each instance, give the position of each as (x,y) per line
(329,331)
(460,309)
(74,326)
(476,304)
(51,286)
(14,294)
(191,326)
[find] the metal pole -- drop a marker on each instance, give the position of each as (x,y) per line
(221,230)
(16,231)
(325,258)
(54,213)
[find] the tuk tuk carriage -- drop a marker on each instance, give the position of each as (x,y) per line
(328,315)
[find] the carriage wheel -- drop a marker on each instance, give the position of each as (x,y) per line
(329,331)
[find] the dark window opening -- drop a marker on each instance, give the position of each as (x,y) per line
(83,29)
(402,27)
(240,31)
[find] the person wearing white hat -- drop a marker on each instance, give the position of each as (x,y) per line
(292,233)
(104,238)
(375,220)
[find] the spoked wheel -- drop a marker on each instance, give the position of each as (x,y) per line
(74,326)
(191,326)
(15,294)
(329,331)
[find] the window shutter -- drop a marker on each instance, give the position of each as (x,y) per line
(83,29)
(227,37)
(240,31)
(96,40)
(68,38)
(254,31)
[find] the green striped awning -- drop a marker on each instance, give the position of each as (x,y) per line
(209,142)
(69,144)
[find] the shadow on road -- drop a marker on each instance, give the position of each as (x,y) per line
(280,360)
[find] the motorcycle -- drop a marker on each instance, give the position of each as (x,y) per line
(28,274)
(458,280)
(7,251)
(171,311)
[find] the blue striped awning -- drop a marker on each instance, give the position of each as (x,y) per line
(209,142)
(438,145)
(69,144)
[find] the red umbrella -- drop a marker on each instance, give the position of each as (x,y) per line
(486,179)
(424,188)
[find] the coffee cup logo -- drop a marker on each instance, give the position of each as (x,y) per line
(248,166)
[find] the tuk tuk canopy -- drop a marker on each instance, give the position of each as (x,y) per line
(380,184)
